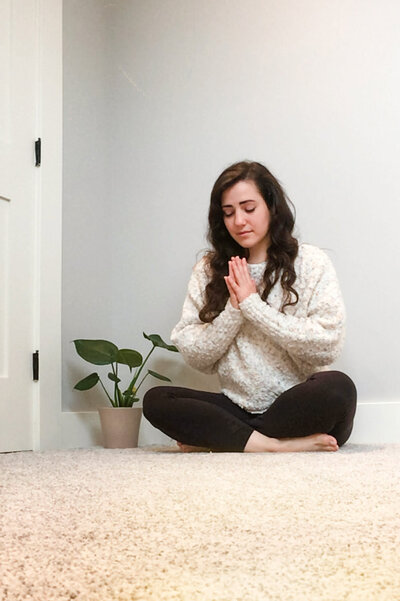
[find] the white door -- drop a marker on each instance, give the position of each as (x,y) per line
(18,219)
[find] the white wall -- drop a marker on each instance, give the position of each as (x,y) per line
(176,91)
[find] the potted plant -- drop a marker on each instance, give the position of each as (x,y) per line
(120,423)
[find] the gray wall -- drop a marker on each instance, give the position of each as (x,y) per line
(160,96)
(87,229)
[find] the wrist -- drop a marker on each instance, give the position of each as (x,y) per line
(234,303)
(248,296)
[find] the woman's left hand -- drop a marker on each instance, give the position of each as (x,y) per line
(241,282)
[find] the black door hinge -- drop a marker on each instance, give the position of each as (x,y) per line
(38,152)
(35,366)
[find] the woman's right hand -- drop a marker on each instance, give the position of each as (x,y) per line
(232,295)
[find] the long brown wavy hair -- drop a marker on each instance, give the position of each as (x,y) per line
(282,250)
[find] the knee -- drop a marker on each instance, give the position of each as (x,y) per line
(346,386)
(152,401)
(340,385)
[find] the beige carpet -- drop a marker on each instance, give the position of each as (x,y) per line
(158,525)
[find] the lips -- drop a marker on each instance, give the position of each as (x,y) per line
(243,233)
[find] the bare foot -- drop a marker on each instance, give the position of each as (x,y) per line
(315,442)
(259,443)
(186,448)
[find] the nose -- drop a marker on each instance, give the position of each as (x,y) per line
(239,218)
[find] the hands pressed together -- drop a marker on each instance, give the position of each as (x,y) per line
(238,281)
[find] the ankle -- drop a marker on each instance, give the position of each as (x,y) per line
(259,443)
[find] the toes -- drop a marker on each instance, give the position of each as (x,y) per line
(329,440)
(327,443)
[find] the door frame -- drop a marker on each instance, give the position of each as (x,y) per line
(47,404)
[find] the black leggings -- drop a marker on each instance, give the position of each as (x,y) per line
(324,403)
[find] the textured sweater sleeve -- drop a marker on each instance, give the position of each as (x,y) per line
(203,344)
(316,338)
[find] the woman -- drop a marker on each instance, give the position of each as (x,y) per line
(267,315)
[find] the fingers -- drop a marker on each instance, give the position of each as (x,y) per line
(230,268)
(233,298)
(238,268)
(231,284)
(240,280)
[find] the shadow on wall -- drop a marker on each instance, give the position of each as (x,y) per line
(181,375)
(92,428)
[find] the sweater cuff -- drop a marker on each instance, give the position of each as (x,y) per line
(252,306)
(234,316)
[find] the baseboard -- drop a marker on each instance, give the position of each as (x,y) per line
(377,422)
(374,423)
(81,430)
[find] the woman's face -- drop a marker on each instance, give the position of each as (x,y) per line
(247,218)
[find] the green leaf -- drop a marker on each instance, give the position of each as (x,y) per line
(87,382)
(159,376)
(129,357)
(114,378)
(158,341)
(98,352)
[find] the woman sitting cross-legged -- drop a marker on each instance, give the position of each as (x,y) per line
(266,314)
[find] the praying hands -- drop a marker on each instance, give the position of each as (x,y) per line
(238,281)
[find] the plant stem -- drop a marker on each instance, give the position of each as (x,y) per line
(115,372)
(142,381)
(110,399)
(136,376)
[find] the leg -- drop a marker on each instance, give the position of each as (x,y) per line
(323,405)
(314,416)
(197,418)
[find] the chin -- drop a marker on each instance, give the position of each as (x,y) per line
(243,244)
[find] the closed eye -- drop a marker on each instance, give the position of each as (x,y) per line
(246,210)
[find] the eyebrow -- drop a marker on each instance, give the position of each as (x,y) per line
(242,202)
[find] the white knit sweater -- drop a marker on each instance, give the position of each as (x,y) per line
(257,351)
